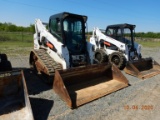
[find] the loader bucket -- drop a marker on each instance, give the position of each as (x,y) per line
(77,86)
(144,68)
(14,101)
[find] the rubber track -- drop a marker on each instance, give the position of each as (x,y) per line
(47,61)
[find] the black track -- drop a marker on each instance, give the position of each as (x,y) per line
(47,61)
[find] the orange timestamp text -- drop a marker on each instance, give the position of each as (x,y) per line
(138,107)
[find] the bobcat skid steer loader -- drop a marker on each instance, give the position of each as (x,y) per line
(117,46)
(62,52)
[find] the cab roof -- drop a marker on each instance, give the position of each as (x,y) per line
(125,25)
(62,15)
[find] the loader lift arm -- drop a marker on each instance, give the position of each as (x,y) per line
(102,37)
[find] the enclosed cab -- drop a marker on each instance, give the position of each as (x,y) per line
(69,29)
(125,33)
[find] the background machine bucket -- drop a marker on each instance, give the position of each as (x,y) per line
(14,101)
(78,86)
(144,68)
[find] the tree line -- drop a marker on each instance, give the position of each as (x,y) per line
(143,34)
(9,27)
(148,35)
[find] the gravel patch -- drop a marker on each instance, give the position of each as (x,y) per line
(46,105)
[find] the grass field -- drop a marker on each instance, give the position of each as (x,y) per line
(7,44)
(16,42)
(149,43)
(13,42)
(16,36)
(15,48)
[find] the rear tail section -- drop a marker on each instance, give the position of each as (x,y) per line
(144,68)
(78,86)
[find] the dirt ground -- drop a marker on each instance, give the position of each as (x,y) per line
(139,101)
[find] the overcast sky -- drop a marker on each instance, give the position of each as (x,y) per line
(145,14)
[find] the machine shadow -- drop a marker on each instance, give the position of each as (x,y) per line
(41,108)
(35,84)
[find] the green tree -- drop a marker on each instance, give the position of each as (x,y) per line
(32,28)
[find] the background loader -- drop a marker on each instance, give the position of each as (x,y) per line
(62,52)
(117,46)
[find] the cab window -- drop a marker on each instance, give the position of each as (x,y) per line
(55,29)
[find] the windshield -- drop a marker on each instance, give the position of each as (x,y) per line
(123,35)
(73,32)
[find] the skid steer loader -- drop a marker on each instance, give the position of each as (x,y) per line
(117,46)
(62,52)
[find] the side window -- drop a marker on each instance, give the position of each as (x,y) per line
(53,26)
(110,32)
(55,29)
